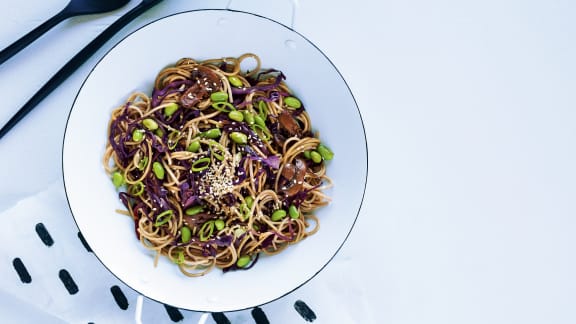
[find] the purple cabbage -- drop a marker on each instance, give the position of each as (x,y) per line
(159,94)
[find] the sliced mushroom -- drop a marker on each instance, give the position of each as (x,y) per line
(205,81)
(289,124)
(294,174)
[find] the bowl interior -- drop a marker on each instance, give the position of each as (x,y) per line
(132,66)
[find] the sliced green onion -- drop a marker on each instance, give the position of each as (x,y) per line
(142,163)
(263,132)
(263,109)
(163,218)
(173,139)
(213,144)
(201,164)
(137,189)
(180,259)
(223,106)
(206,230)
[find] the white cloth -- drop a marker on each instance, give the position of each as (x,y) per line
(45,298)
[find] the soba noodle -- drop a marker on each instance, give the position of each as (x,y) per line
(217,166)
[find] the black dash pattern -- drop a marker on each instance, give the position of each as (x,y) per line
(306,312)
(259,316)
(220,318)
(68,282)
(21,270)
(44,234)
(174,314)
(119,297)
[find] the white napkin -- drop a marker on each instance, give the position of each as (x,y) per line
(39,234)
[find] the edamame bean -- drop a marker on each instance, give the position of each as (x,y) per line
(194,210)
(236,115)
(219,224)
(138,135)
(150,124)
(193,147)
(307,154)
(243,261)
(235,81)
(117,179)
(219,96)
(170,109)
(212,133)
(293,212)
(325,152)
(249,117)
(316,157)
(239,138)
(200,164)
(278,215)
(158,170)
(186,234)
(292,102)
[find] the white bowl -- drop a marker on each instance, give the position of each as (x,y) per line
(132,66)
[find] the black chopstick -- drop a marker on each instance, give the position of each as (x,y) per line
(77,61)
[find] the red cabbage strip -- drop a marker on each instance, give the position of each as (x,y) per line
(174,86)
(119,148)
(299,197)
(262,87)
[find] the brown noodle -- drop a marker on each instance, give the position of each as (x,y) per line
(235,185)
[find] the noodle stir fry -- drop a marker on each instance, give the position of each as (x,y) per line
(217,166)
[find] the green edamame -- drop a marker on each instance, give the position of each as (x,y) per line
(186,234)
(292,102)
(218,96)
(243,261)
(117,179)
(239,138)
(316,157)
(235,81)
(193,147)
(236,115)
(150,124)
(138,135)
(293,212)
(278,215)
(158,170)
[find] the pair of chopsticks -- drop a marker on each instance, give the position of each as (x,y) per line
(75,62)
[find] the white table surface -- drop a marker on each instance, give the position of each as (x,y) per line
(469,109)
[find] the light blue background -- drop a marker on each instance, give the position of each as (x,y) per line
(470,115)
